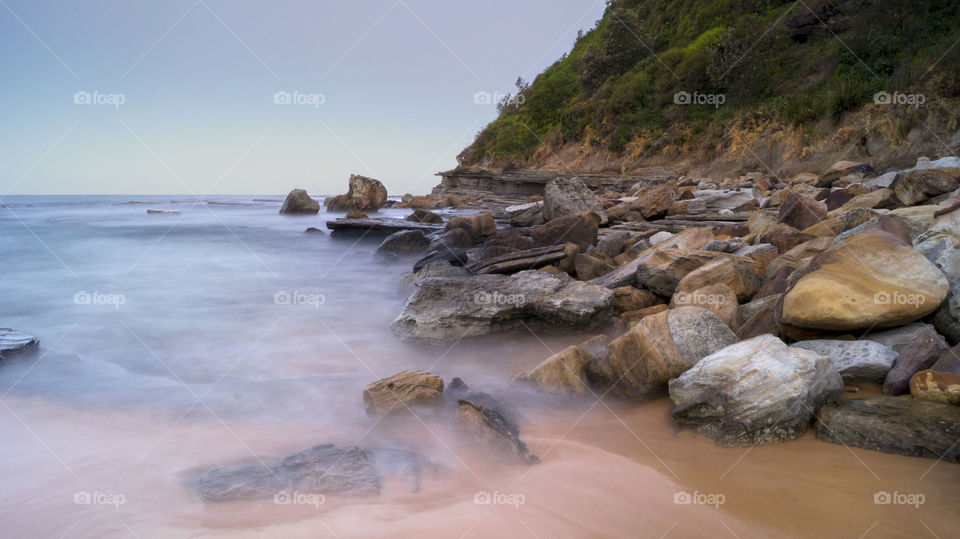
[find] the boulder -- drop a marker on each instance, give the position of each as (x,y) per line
(442,309)
(561,374)
(405,241)
(784,237)
(725,199)
(629,319)
(922,352)
(755,392)
(479,226)
(580,229)
(457,238)
(424,216)
(299,202)
(933,386)
(530,214)
(660,347)
(845,168)
(629,298)
(867,281)
(879,199)
(496,437)
(13,342)
(613,244)
(949,361)
(898,338)
(919,185)
(740,274)
(691,238)
(654,202)
(718,298)
(564,197)
(401,392)
(898,425)
(802,212)
(590,267)
(519,260)
(456,257)
(363,194)
(856,361)
(663,270)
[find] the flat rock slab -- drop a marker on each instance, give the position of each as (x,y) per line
(14,342)
(379,227)
(898,425)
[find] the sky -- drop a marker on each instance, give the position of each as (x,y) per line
(259,97)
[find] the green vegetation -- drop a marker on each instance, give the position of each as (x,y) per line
(776,58)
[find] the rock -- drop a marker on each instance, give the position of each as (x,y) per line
(900,337)
(933,386)
(356,215)
(364,194)
(580,229)
(857,361)
(725,199)
(845,168)
(801,212)
(894,425)
(919,185)
(755,392)
(565,197)
(784,237)
(323,469)
(299,202)
(922,352)
(654,202)
(405,241)
(314,230)
(664,269)
(457,238)
(949,361)
(879,199)
(660,347)
(497,438)
(443,309)
(519,260)
(629,319)
(376,227)
(424,216)
(740,274)
(944,162)
(562,373)
(718,298)
(402,391)
(478,226)
(762,322)
(530,214)
(613,244)
(13,342)
(867,281)
(691,238)
(456,257)
(590,267)
(629,298)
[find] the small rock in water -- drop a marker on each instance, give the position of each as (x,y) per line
(298,201)
(401,391)
(168,212)
(13,342)
(314,230)
(497,437)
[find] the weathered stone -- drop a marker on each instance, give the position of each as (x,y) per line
(922,352)
(424,216)
(802,212)
(580,229)
(613,244)
(457,238)
(479,226)
(456,257)
(916,186)
(784,237)
(664,269)
(654,201)
(629,319)
(740,274)
(755,392)
(530,214)
(564,197)
(725,199)
(590,267)
(691,238)
(879,199)
(401,392)
(857,361)
(497,438)
(13,342)
(363,194)
(562,373)
(949,361)
(718,298)
(405,241)
(845,168)
(629,298)
(898,425)
(933,386)
(298,201)
(900,337)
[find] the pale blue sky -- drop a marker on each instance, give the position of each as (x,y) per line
(198,79)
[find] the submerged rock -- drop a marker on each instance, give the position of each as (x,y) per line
(13,342)
(898,425)
(857,361)
(402,391)
(497,438)
(758,391)
(298,201)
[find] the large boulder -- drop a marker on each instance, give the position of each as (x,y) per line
(654,201)
(580,229)
(13,342)
(563,373)
(530,214)
(660,347)
(663,270)
(364,194)
(726,199)
(755,392)
(405,241)
(870,280)
(442,309)
(738,273)
(857,361)
(916,186)
(802,212)
(569,196)
(299,202)
(496,437)
(401,392)
(898,425)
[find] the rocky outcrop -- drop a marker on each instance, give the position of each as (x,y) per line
(755,392)
(364,194)
(13,342)
(563,373)
(401,392)
(494,435)
(569,196)
(856,361)
(443,309)
(299,202)
(898,425)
